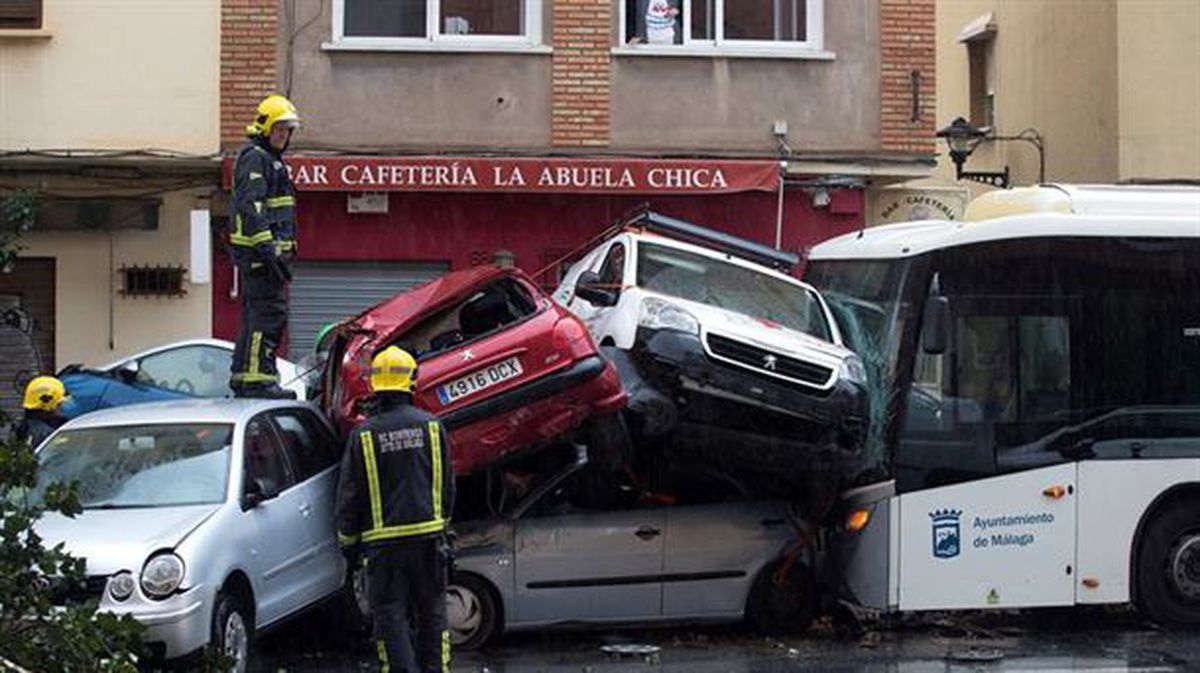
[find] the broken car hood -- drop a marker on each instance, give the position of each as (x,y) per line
(121,539)
(765,334)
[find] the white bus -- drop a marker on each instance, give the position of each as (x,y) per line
(1034,433)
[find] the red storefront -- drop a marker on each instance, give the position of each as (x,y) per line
(450,213)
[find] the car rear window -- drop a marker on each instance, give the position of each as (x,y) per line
(488,310)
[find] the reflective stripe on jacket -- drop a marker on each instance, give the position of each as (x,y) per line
(264,201)
(397,481)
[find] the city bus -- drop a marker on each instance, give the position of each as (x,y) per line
(1034,380)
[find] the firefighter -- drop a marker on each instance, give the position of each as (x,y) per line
(263,241)
(394,501)
(44,397)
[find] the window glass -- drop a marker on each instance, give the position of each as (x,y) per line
(698,278)
(194,370)
(481,17)
(612,274)
(265,458)
(140,465)
(491,308)
(310,449)
(376,18)
(774,20)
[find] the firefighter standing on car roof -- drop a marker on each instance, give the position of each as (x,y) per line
(394,499)
(263,240)
(44,397)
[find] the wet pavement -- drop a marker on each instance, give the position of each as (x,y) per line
(1109,641)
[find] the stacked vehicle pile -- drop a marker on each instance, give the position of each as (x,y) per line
(708,351)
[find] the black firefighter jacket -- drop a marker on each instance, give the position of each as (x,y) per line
(264,204)
(397,482)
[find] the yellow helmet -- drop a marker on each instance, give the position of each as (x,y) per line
(45,393)
(393,370)
(272,110)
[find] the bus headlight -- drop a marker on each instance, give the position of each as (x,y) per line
(660,314)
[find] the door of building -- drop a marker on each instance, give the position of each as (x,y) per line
(26,328)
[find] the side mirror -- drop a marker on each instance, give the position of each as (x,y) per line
(129,371)
(935,325)
(258,491)
(588,289)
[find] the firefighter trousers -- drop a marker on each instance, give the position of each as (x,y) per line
(264,317)
(404,576)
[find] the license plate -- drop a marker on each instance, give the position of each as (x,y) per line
(481,380)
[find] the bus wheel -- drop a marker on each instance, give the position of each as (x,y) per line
(1168,569)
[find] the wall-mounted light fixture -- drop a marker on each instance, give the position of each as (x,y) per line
(962,138)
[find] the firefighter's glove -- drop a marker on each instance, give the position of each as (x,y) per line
(448,552)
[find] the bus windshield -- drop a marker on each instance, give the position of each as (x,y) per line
(874,303)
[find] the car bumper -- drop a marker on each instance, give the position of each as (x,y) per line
(674,367)
(541,411)
(175,626)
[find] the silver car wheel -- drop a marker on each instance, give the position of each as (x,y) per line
(464,613)
(237,641)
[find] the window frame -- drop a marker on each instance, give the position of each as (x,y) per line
(35,22)
(530,41)
(812,47)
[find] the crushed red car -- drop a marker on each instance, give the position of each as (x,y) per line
(505,368)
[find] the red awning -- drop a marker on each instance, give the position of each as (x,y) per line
(521,175)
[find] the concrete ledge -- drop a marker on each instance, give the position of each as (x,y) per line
(724,52)
(437,48)
(26,33)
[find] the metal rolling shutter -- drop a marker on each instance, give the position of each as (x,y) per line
(323,292)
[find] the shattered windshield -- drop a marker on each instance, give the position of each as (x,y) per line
(160,465)
(873,304)
(702,279)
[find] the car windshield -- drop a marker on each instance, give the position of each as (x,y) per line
(702,279)
(160,465)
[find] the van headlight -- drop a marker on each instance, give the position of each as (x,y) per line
(853,370)
(660,314)
(162,575)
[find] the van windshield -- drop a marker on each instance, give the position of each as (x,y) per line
(705,280)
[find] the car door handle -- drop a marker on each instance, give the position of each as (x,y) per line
(647,533)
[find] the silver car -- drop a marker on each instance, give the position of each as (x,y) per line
(203,519)
(559,557)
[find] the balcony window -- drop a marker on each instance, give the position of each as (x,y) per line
(724,27)
(421,25)
(20,14)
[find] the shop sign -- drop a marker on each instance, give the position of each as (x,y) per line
(906,205)
(542,175)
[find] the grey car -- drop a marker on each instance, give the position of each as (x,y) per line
(558,557)
(203,519)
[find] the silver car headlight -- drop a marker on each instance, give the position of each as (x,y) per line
(120,586)
(162,575)
(660,314)
(853,370)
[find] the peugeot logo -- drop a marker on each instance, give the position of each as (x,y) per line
(468,355)
(769,362)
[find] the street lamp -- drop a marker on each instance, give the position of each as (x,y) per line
(962,138)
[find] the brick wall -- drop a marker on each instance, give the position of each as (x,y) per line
(907,43)
(582,65)
(249,35)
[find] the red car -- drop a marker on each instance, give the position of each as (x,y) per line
(503,366)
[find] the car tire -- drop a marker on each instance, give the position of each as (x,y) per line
(786,607)
(1168,566)
(232,631)
(472,613)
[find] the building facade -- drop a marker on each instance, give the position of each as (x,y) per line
(448,133)
(110,130)
(1111,86)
